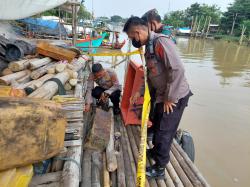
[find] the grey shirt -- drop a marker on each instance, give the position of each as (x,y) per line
(165,69)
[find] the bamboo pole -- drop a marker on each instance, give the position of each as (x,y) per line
(194,180)
(106,178)
(110,150)
(95,171)
(191,164)
(127,166)
(86,169)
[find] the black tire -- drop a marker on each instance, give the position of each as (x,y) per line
(187,145)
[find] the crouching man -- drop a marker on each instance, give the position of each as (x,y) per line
(108,88)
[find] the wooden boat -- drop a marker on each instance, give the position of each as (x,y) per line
(87,43)
(110,45)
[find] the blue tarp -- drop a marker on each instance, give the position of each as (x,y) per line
(41,26)
(40,22)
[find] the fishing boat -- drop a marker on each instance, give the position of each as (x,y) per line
(87,43)
(110,45)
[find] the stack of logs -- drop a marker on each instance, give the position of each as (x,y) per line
(35,75)
(65,169)
(117,165)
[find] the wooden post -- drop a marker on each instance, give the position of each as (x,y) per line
(208,26)
(204,27)
(198,26)
(74,24)
(242,34)
(6,80)
(234,19)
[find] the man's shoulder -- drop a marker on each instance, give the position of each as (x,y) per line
(110,71)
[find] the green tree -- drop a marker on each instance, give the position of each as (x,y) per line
(175,18)
(238,11)
(247,24)
(83,13)
(116,18)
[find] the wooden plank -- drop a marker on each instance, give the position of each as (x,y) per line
(58,53)
(99,135)
(46,178)
(72,143)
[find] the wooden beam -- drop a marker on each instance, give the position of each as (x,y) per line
(46,178)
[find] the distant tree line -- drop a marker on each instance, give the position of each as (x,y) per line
(231,21)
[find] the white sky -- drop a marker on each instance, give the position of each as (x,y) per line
(126,8)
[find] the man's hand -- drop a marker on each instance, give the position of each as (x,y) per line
(104,97)
(135,97)
(87,107)
(168,106)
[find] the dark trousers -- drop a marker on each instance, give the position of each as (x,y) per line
(164,129)
(114,97)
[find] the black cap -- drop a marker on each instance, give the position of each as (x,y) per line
(96,68)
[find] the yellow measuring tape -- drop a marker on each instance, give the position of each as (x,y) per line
(141,166)
(140,177)
(115,54)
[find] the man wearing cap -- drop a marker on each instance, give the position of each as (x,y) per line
(108,87)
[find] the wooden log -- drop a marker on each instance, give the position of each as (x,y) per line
(71,143)
(57,163)
(110,150)
(51,70)
(71,170)
(3,65)
(191,164)
(41,125)
(194,180)
(181,174)
(50,88)
(60,67)
(36,63)
(24,79)
(67,87)
(86,169)
(96,169)
(6,71)
(55,52)
(106,177)
(99,135)
(174,176)
(136,134)
(78,91)
(36,74)
(73,82)
(121,180)
(129,175)
(19,65)
(6,80)
(114,179)
(45,178)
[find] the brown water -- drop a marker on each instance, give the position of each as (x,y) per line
(218,115)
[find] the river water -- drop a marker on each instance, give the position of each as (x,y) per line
(218,116)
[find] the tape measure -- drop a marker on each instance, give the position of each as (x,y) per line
(141,166)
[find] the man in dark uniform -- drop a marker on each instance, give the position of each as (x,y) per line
(165,74)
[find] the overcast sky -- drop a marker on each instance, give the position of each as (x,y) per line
(126,8)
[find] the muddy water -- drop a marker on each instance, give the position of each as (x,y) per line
(218,115)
